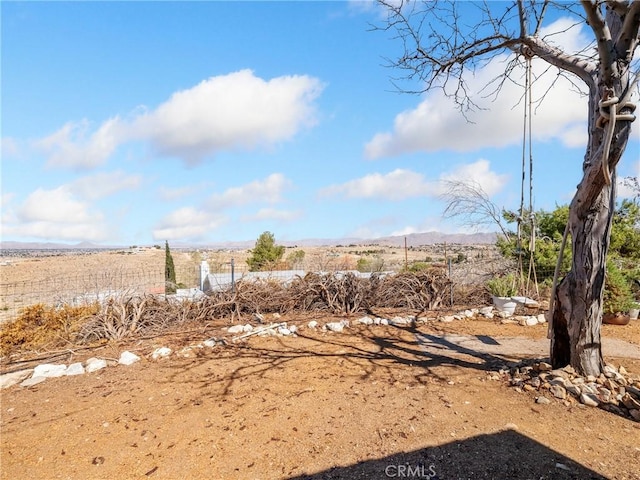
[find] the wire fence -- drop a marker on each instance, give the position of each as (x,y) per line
(87,288)
(468,278)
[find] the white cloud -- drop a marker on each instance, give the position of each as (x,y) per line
(268,190)
(396,185)
(435,124)
(57,205)
(74,146)
(273,214)
(187,223)
(227,112)
(479,173)
(234,111)
(55,214)
(401,184)
(104,184)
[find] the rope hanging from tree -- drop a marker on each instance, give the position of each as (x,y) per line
(527,143)
(610,106)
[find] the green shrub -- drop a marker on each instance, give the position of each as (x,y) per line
(502,286)
(266,254)
(617,292)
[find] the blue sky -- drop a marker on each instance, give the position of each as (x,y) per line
(138,122)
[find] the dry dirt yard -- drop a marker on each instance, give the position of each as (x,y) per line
(368,403)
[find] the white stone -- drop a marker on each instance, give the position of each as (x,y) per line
(531,321)
(293,328)
(447,318)
(32,381)
(399,321)
(95,364)
(345,322)
(236,329)
(589,399)
(161,352)
(486,311)
(335,326)
(558,392)
(284,331)
(384,321)
(75,369)
(543,400)
(128,358)
(312,324)
(542,318)
(488,315)
(247,328)
(468,313)
(48,370)
(365,321)
(9,379)
(209,343)
(573,389)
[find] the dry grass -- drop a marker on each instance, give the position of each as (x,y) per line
(45,327)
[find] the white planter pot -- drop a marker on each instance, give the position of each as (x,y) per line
(634,312)
(504,304)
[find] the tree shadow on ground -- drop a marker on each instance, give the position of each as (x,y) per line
(376,349)
(503,455)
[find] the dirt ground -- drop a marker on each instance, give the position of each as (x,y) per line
(369,403)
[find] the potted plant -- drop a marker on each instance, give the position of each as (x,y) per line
(502,288)
(632,276)
(617,299)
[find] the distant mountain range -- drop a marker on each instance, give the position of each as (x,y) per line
(412,240)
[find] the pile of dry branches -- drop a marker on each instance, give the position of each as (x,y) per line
(332,293)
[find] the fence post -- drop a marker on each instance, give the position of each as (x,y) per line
(233,278)
(204,271)
(451,284)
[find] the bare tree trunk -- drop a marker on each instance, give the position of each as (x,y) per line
(577,314)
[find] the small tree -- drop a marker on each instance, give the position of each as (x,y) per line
(470,204)
(169,271)
(265,253)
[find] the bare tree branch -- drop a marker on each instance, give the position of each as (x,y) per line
(603,38)
(628,39)
(556,57)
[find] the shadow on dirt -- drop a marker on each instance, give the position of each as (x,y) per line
(505,454)
(388,351)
